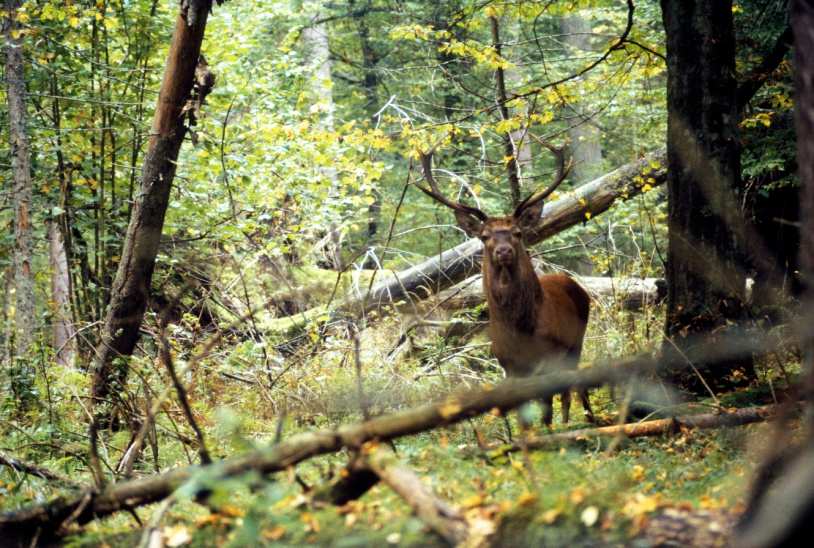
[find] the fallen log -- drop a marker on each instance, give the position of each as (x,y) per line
(630,293)
(736,417)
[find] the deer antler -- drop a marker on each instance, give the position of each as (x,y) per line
(563,168)
(434,192)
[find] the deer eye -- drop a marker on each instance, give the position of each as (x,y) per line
(485,235)
(517,233)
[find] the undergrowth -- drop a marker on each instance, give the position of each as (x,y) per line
(242,392)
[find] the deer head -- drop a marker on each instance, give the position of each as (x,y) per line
(504,238)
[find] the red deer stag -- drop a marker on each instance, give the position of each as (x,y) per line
(535,322)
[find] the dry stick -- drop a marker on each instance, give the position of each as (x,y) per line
(166,357)
(148,538)
(34,470)
(436,513)
(656,427)
(503,108)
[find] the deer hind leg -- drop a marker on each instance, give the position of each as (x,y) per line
(566,405)
(586,404)
(548,410)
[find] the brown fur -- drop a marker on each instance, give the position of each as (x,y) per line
(536,323)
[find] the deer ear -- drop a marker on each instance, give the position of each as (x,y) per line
(530,217)
(469,223)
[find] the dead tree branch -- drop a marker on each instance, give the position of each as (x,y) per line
(34,470)
(737,417)
(436,513)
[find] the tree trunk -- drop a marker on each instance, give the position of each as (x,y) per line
(370,88)
(585,147)
(509,149)
(6,327)
(22,375)
(803,23)
(128,298)
(781,504)
(62,329)
(705,273)
(317,46)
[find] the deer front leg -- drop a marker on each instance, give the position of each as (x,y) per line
(548,410)
(586,404)
(566,405)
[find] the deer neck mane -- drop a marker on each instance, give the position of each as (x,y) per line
(513,293)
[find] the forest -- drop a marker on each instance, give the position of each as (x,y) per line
(406,273)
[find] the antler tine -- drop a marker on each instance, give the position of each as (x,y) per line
(434,193)
(563,168)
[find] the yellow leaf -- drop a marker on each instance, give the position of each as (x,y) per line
(73,21)
(577,496)
(449,408)
(526,499)
(550,516)
(638,473)
(472,501)
(641,504)
(176,535)
(275,533)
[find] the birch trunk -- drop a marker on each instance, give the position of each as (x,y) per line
(315,40)
(586,149)
(62,327)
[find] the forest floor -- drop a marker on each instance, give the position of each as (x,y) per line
(687,486)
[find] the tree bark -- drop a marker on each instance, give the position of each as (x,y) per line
(803,22)
(131,286)
(706,249)
(782,499)
(22,375)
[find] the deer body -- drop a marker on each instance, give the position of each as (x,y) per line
(536,323)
